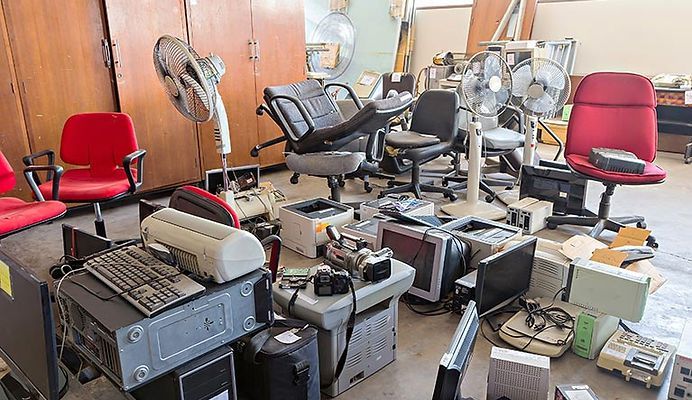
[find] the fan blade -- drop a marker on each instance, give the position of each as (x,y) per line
(489,104)
(541,105)
(522,79)
(491,67)
(502,97)
(551,77)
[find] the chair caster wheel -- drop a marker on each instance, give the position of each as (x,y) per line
(342,183)
(651,242)
(390,184)
(489,198)
(551,226)
(445,183)
(451,196)
(380,195)
(641,225)
(294,180)
(368,189)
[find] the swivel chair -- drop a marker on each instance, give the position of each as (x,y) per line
(434,127)
(105,145)
(617,111)
(315,131)
(16,214)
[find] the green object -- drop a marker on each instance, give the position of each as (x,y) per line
(296,273)
(583,334)
(566,112)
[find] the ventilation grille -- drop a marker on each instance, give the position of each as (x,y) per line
(186,261)
(548,267)
(109,356)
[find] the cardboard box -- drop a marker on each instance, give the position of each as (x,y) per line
(558,127)
(574,392)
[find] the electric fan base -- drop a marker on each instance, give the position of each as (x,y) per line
(478,208)
(508,196)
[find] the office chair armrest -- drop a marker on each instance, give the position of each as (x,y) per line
(127,165)
(255,150)
(29,160)
(273,242)
(375,146)
(301,109)
(30,173)
(351,92)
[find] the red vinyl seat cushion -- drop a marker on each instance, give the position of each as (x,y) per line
(16,214)
(652,172)
(80,185)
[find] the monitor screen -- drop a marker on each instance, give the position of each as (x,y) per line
(27,331)
(504,276)
(417,254)
(456,360)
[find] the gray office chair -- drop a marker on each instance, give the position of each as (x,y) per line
(316,133)
(434,128)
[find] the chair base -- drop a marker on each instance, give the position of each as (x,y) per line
(416,186)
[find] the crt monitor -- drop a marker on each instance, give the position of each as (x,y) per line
(27,330)
(456,360)
(504,276)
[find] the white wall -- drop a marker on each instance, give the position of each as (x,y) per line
(436,30)
(645,36)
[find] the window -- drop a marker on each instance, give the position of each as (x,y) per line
(442,3)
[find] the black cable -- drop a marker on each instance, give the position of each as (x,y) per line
(627,329)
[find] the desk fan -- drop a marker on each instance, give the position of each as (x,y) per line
(541,87)
(486,85)
(190,83)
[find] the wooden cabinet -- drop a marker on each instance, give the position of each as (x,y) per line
(68,57)
(264,46)
(279,29)
(211,32)
(14,143)
(60,71)
(169,138)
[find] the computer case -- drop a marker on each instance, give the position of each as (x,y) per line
(209,377)
(133,350)
(518,375)
(591,332)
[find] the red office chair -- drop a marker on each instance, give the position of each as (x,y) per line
(16,214)
(104,143)
(616,111)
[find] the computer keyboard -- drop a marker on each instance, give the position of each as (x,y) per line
(144,281)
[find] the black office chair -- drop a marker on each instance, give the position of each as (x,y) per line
(434,127)
(316,133)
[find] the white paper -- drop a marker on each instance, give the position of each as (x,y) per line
(367,80)
(221,396)
(510,59)
(287,337)
(688,97)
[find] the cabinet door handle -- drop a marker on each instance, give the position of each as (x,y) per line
(253,49)
(257,50)
(117,59)
(106,51)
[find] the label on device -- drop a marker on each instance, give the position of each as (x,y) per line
(5,280)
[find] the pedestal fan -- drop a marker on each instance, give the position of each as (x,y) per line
(190,82)
(541,87)
(486,85)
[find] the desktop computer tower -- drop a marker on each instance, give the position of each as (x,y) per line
(133,350)
(209,377)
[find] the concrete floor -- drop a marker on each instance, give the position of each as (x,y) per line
(422,340)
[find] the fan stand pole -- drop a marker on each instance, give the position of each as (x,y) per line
(530,141)
(472,206)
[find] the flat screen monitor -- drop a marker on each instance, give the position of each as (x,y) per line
(456,359)
(27,330)
(435,255)
(504,276)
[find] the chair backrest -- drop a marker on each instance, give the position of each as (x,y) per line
(200,203)
(403,82)
(98,140)
(312,95)
(437,113)
(7,179)
(614,110)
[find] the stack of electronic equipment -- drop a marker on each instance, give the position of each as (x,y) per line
(166,312)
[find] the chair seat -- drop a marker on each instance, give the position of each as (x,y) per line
(16,214)
(329,163)
(652,172)
(500,139)
(410,140)
(78,185)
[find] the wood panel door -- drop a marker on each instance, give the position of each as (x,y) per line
(57,51)
(225,28)
(485,18)
(169,138)
(14,143)
(279,29)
